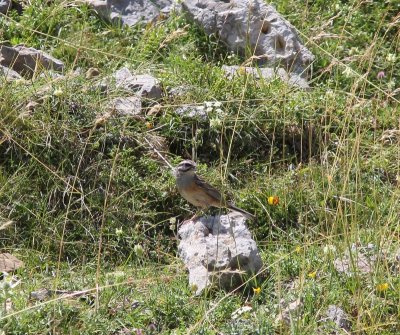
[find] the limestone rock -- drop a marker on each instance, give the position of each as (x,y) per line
(360,259)
(218,250)
(131,12)
(28,61)
(5,6)
(127,106)
(179,91)
(92,72)
(8,74)
(266,73)
(192,112)
(289,311)
(144,85)
(241,24)
(338,317)
(9,263)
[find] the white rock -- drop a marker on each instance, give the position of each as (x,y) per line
(218,250)
(241,24)
(131,12)
(127,105)
(144,85)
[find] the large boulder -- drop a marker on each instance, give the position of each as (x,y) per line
(218,250)
(241,24)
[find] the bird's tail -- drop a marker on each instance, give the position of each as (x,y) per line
(242,211)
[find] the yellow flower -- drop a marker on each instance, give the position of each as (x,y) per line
(273,201)
(382,287)
(149,125)
(257,290)
(242,70)
(312,275)
(298,249)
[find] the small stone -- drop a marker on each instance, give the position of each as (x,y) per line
(92,72)
(127,105)
(9,263)
(40,295)
(144,85)
(192,112)
(362,260)
(179,91)
(9,74)
(30,106)
(8,306)
(27,61)
(289,311)
(338,317)
(154,110)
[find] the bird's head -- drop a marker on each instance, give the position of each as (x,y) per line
(185,166)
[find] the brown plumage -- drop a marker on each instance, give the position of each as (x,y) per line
(200,193)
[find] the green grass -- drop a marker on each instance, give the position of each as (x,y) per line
(92,206)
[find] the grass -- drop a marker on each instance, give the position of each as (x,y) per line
(94,209)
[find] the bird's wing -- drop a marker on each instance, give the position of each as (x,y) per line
(210,190)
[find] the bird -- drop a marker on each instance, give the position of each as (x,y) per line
(200,193)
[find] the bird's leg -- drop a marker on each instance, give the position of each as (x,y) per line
(199,213)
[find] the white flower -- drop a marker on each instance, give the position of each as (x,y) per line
(208,103)
(330,93)
(329,249)
(119,231)
(217,103)
(391,84)
(215,123)
(138,249)
(209,109)
(391,58)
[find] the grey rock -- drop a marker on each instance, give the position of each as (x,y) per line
(360,259)
(9,263)
(218,250)
(8,74)
(338,317)
(179,91)
(92,72)
(192,112)
(131,12)
(127,105)
(28,61)
(289,311)
(241,24)
(267,74)
(5,6)
(144,85)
